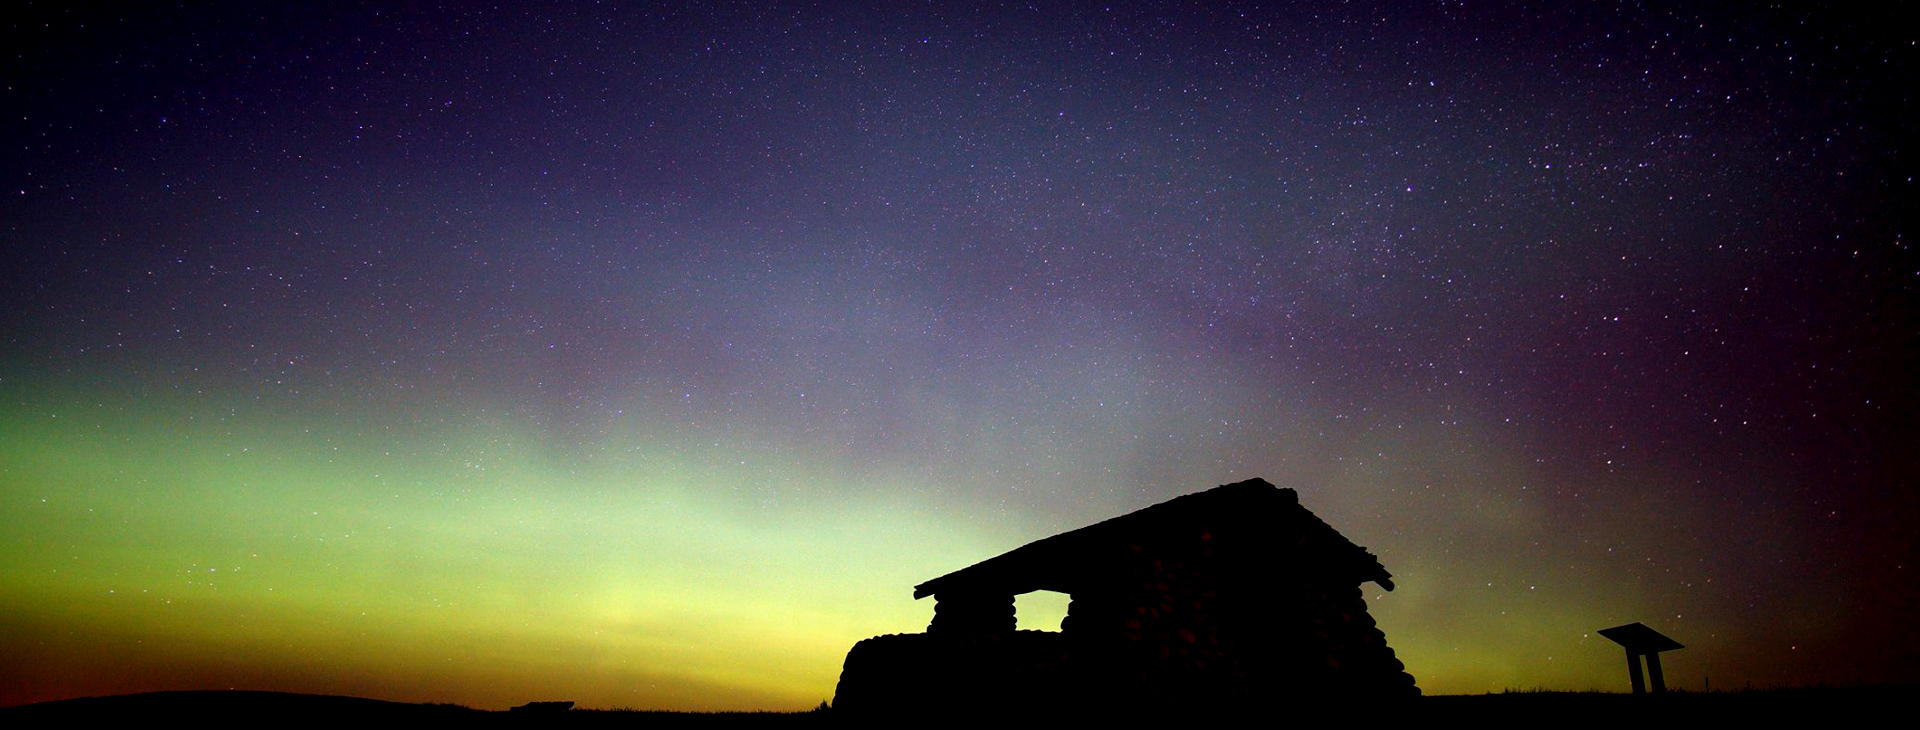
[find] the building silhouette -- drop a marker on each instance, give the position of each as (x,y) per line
(1233,596)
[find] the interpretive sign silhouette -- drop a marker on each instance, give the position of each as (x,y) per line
(1640,640)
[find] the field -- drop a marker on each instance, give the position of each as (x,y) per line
(1819,703)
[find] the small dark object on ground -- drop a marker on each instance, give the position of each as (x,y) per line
(543,707)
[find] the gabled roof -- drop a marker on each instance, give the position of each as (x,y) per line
(1250,510)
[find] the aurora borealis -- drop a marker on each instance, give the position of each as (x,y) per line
(647,357)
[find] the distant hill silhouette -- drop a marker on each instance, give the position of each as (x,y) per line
(236,706)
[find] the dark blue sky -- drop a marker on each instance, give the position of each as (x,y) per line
(1616,300)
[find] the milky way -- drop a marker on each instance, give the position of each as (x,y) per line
(648,358)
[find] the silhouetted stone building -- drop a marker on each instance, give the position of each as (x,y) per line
(1235,595)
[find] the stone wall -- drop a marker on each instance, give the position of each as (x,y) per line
(1161,631)
(1236,597)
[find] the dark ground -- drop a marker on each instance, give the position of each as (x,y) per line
(1813,704)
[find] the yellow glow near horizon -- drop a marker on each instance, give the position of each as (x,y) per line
(203,546)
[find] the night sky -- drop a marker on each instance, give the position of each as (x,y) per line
(648,357)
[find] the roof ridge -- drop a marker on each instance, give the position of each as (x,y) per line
(1015,565)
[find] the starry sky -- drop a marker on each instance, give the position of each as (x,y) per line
(647,356)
